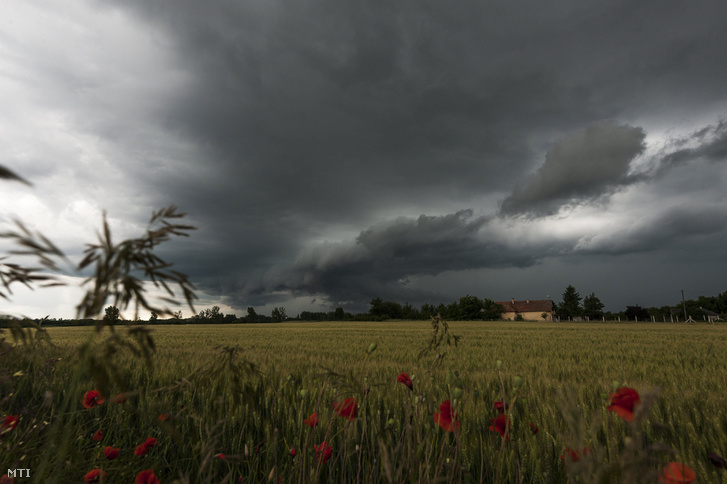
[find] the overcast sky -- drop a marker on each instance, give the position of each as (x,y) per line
(331,152)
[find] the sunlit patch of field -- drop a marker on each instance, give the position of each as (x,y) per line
(568,370)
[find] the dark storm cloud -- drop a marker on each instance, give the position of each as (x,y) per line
(281,125)
(320,112)
(399,99)
(584,167)
(383,256)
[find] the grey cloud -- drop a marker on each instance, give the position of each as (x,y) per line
(711,145)
(674,227)
(581,168)
(383,256)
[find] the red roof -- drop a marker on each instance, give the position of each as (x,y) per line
(528,306)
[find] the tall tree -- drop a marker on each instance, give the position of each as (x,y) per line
(470,308)
(491,311)
(592,307)
(112,314)
(637,313)
(570,307)
(251,315)
(278,314)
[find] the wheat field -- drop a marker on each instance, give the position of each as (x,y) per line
(229,403)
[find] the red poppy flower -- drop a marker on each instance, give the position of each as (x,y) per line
(534,428)
(677,473)
(501,425)
(500,407)
(163,417)
(92,398)
(623,402)
(347,409)
(221,456)
(404,378)
(110,453)
(312,420)
(146,477)
(718,460)
(575,456)
(121,398)
(141,450)
(293,453)
(144,448)
(323,452)
(96,475)
(6,480)
(445,418)
(9,422)
(98,436)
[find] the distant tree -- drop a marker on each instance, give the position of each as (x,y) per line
(112,314)
(470,308)
(427,311)
(393,310)
(633,313)
(442,311)
(451,311)
(339,314)
(315,316)
(214,314)
(592,307)
(570,307)
(210,315)
(278,314)
(177,314)
(492,311)
(251,315)
(376,308)
(154,316)
(409,312)
(381,310)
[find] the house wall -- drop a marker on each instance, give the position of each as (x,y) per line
(529,316)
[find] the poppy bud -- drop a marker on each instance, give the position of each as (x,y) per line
(517,381)
(616,385)
(390,423)
(303,393)
(372,348)
(415,400)
(498,363)
(457,393)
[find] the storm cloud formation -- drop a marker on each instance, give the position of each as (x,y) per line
(406,150)
(586,166)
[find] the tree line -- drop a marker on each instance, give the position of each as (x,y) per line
(468,308)
(570,308)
